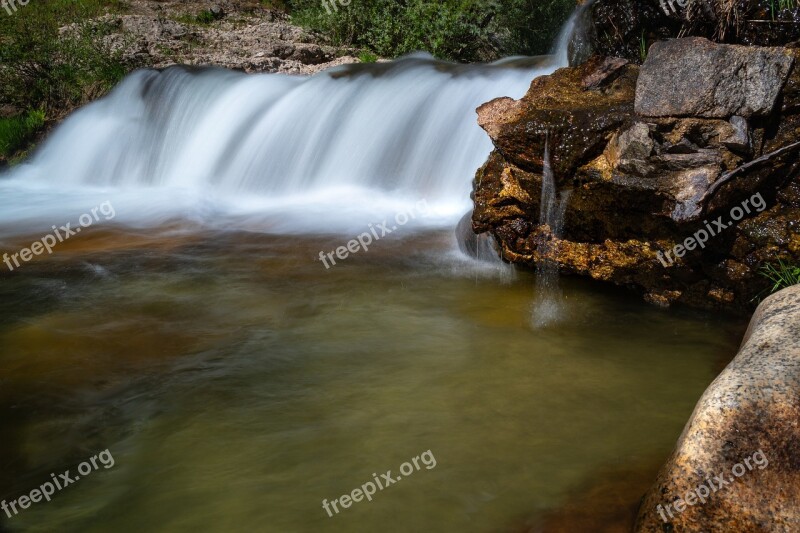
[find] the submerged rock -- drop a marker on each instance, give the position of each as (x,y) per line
(736,466)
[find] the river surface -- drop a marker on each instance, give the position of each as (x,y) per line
(238,383)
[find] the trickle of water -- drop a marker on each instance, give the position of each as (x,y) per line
(547,305)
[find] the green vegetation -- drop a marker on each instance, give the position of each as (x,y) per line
(44,75)
(16,132)
(781,5)
(781,276)
(643,48)
(461,30)
(206,17)
(274,4)
(367,57)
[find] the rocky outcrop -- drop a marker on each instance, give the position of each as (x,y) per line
(683,208)
(736,466)
(242,37)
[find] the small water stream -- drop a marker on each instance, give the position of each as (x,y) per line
(548,298)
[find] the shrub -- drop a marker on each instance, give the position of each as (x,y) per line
(16,133)
(43,68)
(461,30)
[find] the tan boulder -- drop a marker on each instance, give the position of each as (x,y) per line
(736,467)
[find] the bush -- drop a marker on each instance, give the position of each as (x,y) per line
(205,17)
(16,133)
(43,68)
(532,25)
(461,30)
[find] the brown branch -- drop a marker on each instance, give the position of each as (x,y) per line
(738,170)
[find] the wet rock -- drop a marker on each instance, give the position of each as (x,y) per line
(578,122)
(606,72)
(633,143)
(744,429)
(629,151)
(480,247)
(739,139)
(642,188)
(620,25)
(695,77)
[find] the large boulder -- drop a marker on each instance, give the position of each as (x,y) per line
(695,77)
(644,189)
(736,466)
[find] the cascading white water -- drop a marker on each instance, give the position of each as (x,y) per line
(207,144)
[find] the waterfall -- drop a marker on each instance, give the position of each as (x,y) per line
(573,45)
(330,152)
(547,305)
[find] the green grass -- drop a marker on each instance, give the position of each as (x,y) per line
(274,4)
(780,5)
(643,48)
(16,133)
(781,275)
(367,57)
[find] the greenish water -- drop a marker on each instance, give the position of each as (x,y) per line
(237,384)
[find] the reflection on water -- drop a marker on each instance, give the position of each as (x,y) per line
(238,384)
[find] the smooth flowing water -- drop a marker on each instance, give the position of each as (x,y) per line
(197,329)
(238,383)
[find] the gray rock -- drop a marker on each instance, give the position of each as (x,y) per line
(688,161)
(217,12)
(739,139)
(629,150)
(635,142)
(688,187)
(695,77)
(683,146)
